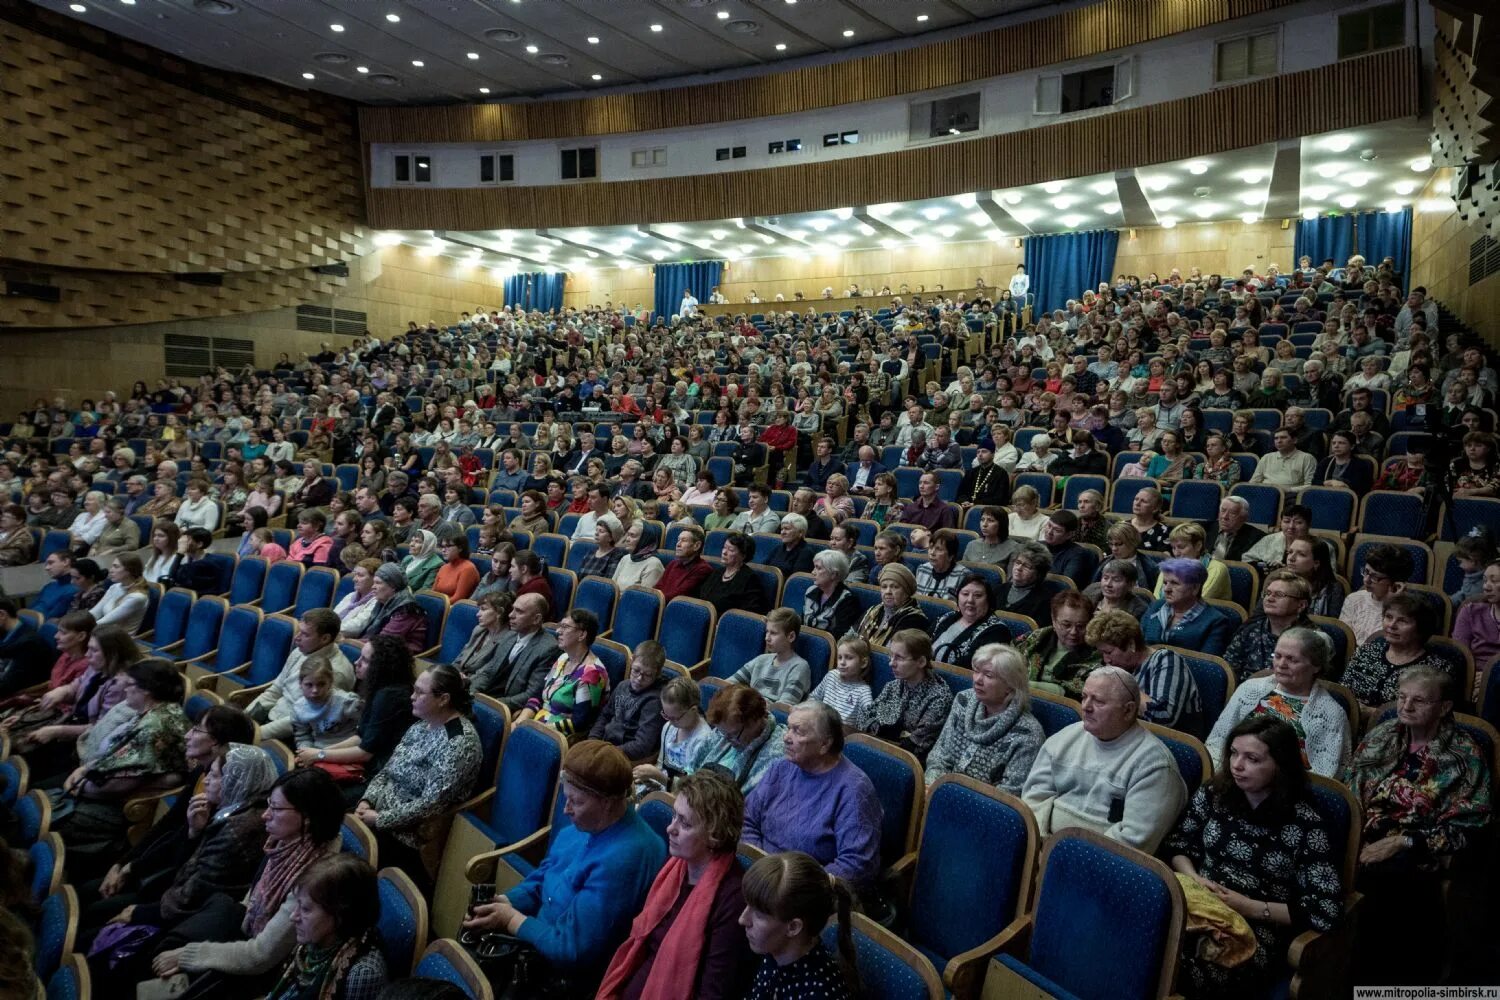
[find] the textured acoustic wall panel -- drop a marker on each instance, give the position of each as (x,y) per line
(1466,114)
(1090,30)
(134,165)
(1228,118)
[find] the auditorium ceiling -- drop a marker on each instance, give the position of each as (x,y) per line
(441,51)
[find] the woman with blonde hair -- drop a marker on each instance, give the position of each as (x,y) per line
(990,734)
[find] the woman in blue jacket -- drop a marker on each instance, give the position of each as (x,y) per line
(1181,617)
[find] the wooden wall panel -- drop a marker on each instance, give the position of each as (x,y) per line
(1440,242)
(1229,118)
(1086,31)
(1213,247)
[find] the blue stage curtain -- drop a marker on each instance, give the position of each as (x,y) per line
(1062,266)
(1330,236)
(1386,234)
(700,275)
(536,290)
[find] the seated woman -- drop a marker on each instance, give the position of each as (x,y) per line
(686,737)
(608,530)
(1169,694)
(1026,515)
(898,609)
(120,533)
(1293,692)
(1375,669)
(1146,510)
(1477,625)
(458,576)
(1424,790)
(49,749)
(1189,541)
(941,574)
(143,752)
(1283,605)
(431,770)
(71,640)
(1058,659)
(687,940)
(338,951)
(911,709)
(1253,838)
(577,684)
(747,738)
(125,602)
(357,606)
(576,908)
(396,613)
(1386,570)
(829,604)
(1181,617)
(1025,593)
(1115,588)
(639,566)
(789,899)
(990,734)
(222,839)
(492,621)
(233,947)
(994,544)
(1312,559)
(959,633)
(425,559)
(816,800)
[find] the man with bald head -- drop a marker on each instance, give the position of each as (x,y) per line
(523,654)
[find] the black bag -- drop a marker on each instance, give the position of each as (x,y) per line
(515,969)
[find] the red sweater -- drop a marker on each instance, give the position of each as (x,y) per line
(682,579)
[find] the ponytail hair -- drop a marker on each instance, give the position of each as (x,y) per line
(793,886)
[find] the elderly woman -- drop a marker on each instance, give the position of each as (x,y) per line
(1253,838)
(1189,541)
(1283,605)
(607,554)
(1169,694)
(1057,658)
(909,711)
(1025,592)
(793,555)
(687,941)
(1146,509)
(17,547)
(577,906)
(1026,517)
(1115,588)
(990,734)
(836,505)
(120,533)
(898,608)
(940,576)
(817,801)
(748,739)
(1180,617)
(733,585)
(198,509)
(397,612)
(829,604)
(575,687)
(973,625)
(639,566)
(682,466)
(1424,788)
(1375,669)
(90,524)
(432,769)
(425,559)
(1124,543)
(1293,692)
(1386,570)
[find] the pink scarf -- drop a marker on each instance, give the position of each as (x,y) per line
(675,970)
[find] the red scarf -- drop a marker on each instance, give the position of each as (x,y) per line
(675,970)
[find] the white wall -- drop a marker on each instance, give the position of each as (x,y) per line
(1181,66)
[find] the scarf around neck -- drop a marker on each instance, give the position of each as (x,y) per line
(674,972)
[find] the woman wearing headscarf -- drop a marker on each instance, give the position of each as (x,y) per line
(421,567)
(397,614)
(639,567)
(897,610)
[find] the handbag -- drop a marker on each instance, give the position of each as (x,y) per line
(343,774)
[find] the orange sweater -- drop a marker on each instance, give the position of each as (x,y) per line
(457,580)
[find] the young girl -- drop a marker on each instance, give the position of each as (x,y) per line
(788,900)
(1473,552)
(323,715)
(847,689)
(263,543)
(686,738)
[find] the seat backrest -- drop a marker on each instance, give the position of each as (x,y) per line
(739,637)
(563,582)
(1191,756)
(249,580)
(403,921)
(57,930)
(71,980)
(315,590)
(598,595)
(446,960)
(1054,711)
(638,618)
(686,627)
(899,785)
(818,649)
(578,551)
(1107,920)
(45,858)
(435,606)
(616,660)
(1123,494)
(551,549)
(1196,499)
(205,619)
(492,723)
(974,865)
(463,617)
(889,968)
(656,810)
(526,782)
(237,637)
(172,616)
(226,563)
(273,644)
(33,814)
(1264,500)
(1215,680)
(282,580)
(794,590)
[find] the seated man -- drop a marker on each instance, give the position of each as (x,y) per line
(1107,773)
(25,656)
(316,640)
(631,718)
(1069,558)
(56,596)
(523,655)
(685,574)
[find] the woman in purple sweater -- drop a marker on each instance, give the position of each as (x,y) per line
(817,801)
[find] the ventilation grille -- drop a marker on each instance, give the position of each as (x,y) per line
(1484,259)
(321,319)
(189,357)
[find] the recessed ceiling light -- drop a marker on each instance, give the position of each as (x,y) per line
(848,32)
(1329,170)
(781,46)
(128,3)
(387,239)
(331,27)
(1110,207)
(1252,176)
(418,63)
(393,18)
(932,214)
(844,213)
(1310,213)
(361,69)
(866,229)
(597,76)
(889,243)
(1204,209)
(1358,180)
(1156,183)
(947,232)
(1405,187)
(1197,167)
(472,55)
(1013,198)
(921,18)
(1164,203)
(1072,221)
(1338,143)
(1251,198)
(1063,201)
(1168,223)
(77,8)
(821,225)
(966,200)
(307,76)
(1348,200)
(1421,164)
(1317,193)
(1103,187)
(532,49)
(1052,187)
(1248,217)
(656,27)
(1025,216)
(723,15)
(484,90)
(980,219)
(1393,206)
(593,39)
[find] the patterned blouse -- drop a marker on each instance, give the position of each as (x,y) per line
(814,976)
(1374,678)
(572,696)
(596,564)
(1274,853)
(433,769)
(908,715)
(1250,650)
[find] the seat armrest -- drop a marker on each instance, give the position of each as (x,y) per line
(964,973)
